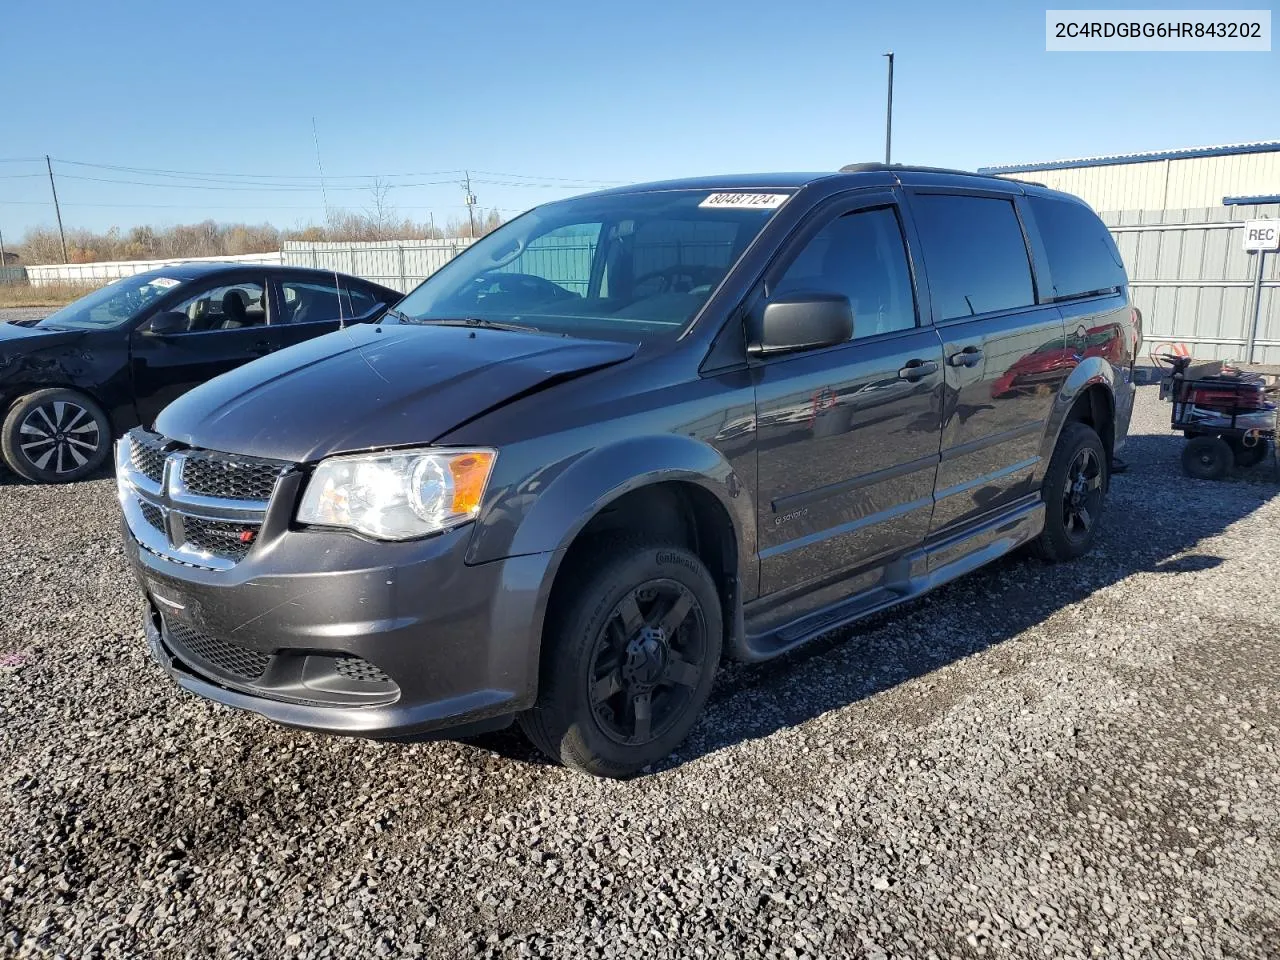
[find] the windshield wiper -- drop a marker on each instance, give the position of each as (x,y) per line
(483,324)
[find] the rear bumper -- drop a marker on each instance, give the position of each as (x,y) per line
(440,645)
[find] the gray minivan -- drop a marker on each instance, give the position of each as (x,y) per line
(626,435)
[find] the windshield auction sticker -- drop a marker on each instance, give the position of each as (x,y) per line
(1168,30)
(164,282)
(745,201)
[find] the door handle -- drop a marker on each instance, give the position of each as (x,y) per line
(968,357)
(261,348)
(917,370)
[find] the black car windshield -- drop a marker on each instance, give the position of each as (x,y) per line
(632,266)
(113,305)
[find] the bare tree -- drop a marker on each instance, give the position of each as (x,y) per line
(380,213)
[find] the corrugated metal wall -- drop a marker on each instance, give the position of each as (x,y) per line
(1166,184)
(1193,281)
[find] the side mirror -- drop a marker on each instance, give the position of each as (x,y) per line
(170,321)
(800,321)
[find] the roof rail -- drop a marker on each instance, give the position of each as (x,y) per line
(912,168)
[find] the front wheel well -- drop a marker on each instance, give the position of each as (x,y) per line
(676,512)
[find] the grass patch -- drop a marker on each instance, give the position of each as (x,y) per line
(53,295)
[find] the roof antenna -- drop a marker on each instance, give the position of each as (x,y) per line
(337,284)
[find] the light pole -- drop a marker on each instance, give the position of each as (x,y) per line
(888,117)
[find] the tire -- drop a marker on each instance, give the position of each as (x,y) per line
(1074,490)
(1207,458)
(55,436)
(1249,456)
(619,689)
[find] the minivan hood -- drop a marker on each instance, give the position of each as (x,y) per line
(370,387)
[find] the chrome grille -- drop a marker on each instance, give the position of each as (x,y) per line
(210,475)
(222,538)
(196,507)
(222,655)
(152,514)
(147,453)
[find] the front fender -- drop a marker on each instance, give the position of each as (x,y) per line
(545,511)
(1089,371)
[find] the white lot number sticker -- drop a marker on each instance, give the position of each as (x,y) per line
(745,201)
(164,283)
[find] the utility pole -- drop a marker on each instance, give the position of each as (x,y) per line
(57,209)
(888,119)
(471,204)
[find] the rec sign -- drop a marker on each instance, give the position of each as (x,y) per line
(1262,234)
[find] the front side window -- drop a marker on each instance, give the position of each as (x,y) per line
(228,307)
(975,254)
(1083,258)
(861,256)
(631,266)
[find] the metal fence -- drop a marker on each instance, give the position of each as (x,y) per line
(44,275)
(1195,284)
(400,264)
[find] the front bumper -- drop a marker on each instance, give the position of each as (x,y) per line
(436,645)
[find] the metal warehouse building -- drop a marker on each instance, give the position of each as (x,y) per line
(1172,180)
(1178,219)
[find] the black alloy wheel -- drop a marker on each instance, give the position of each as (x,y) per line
(647,662)
(630,648)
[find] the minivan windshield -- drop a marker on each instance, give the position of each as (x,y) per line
(111,306)
(632,266)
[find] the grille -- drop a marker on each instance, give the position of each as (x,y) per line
(148,456)
(218,537)
(151,513)
(354,668)
(225,656)
(209,476)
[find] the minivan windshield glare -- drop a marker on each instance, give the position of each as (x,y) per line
(633,266)
(112,305)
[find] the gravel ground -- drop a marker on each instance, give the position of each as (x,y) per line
(1036,762)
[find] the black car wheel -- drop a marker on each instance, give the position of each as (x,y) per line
(1207,458)
(55,436)
(1075,488)
(629,658)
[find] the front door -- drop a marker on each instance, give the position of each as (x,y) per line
(227,325)
(848,436)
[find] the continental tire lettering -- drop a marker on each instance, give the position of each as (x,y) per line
(666,556)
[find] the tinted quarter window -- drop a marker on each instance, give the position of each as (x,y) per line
(861,256)
(1083,258)
(975,254)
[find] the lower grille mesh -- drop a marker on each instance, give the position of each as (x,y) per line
(225,656)
(354,668)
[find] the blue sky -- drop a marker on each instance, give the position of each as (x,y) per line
(581,90)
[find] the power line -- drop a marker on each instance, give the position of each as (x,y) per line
(312,178)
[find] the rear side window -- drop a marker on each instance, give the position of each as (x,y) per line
(975,254)
(1083,258)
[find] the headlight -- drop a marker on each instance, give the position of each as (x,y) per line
(399,495)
